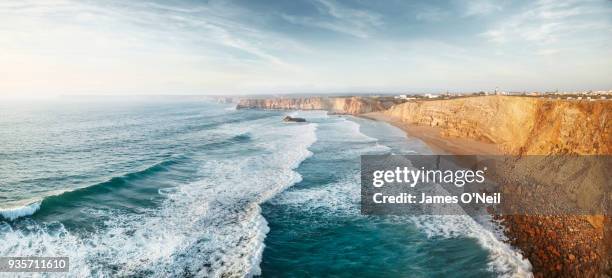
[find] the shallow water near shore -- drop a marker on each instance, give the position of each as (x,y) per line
(178,188)
(316,228)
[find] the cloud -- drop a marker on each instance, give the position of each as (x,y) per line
(547,22)
(340,19)
(548,52)
(223,46)
(431,14)
(481,7)
(137,25)
(72,45)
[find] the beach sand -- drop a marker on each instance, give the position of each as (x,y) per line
(433,138)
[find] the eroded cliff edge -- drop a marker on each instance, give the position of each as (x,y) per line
(518,125)
(340,105)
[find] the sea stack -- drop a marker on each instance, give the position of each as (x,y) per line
(292,119)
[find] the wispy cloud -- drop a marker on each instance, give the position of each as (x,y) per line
(431,14)
(547,22)
(146,24)
(134,45)
(341,19)
(245,46)
(482,7)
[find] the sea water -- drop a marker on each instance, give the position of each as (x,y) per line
(188,187)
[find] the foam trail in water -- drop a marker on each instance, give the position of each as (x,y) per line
(339,198)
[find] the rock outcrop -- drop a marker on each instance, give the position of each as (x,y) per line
(293,119)
(338,105)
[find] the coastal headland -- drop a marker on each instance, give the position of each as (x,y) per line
(518,126)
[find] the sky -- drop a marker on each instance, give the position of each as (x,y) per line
(319,46)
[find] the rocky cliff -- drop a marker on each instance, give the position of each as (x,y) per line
(519,125)
(339,105)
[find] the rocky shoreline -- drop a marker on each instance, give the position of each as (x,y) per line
(559,246)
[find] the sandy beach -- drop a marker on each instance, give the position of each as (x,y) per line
(433,138)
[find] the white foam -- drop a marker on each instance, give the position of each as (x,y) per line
(310,114)
(505,260)
(352,132)
(209,228)
(166,191)
(341,197)
(16,212)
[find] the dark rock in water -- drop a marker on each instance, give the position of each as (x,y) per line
(292,119)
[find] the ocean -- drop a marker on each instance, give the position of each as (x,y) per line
(171,187)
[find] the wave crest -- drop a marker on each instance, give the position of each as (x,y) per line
(14,213)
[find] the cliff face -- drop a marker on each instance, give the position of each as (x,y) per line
(340,105)
(519,125)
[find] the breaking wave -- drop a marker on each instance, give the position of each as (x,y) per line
(16,212)
(211,227)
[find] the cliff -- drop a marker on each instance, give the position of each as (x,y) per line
(518,125)
(339,105)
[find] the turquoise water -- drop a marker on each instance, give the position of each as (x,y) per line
(185,187)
